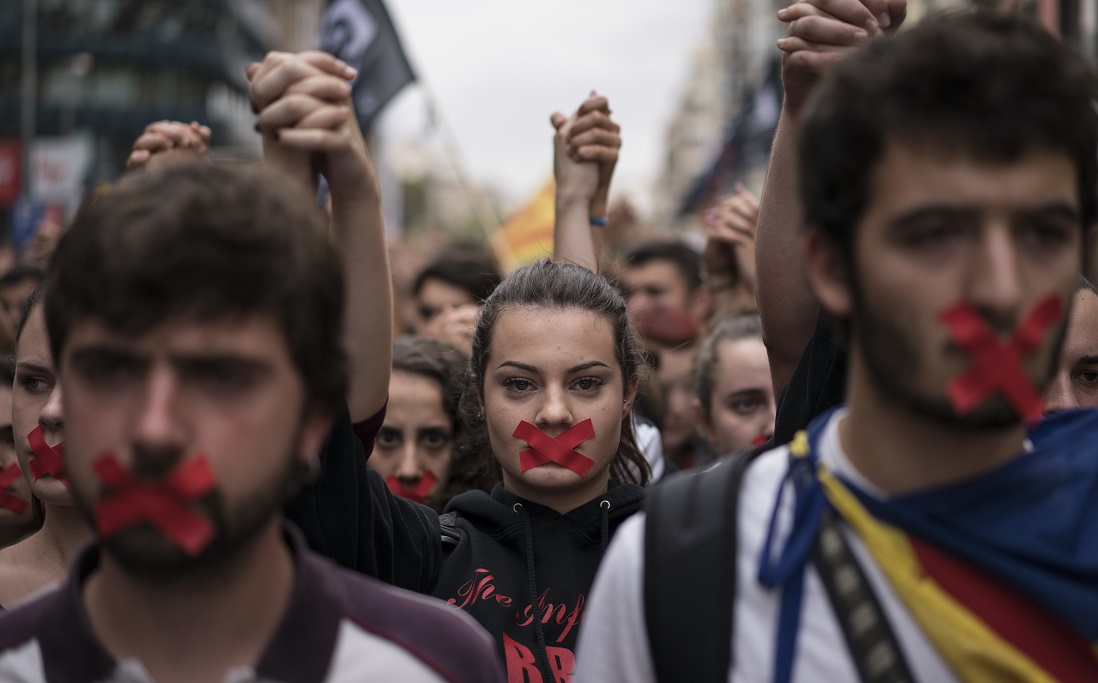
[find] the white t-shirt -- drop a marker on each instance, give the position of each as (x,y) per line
(650,444)
(613,645)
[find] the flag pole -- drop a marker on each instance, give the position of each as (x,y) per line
(485,213)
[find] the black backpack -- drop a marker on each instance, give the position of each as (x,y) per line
(690,544)
(689,555)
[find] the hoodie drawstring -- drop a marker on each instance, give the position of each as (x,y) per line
(532,576)
(604,527)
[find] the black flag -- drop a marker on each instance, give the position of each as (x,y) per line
(361,34)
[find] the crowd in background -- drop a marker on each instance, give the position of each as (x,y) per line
(236,357)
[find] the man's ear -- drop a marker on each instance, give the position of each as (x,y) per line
(702,420)
(314,431)
(828,273)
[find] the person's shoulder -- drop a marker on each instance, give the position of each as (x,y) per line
(628,544)
(21,625)
(441,637)
(760,484)
(625,500)
(22,576)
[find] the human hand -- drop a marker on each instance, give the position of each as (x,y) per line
(576,181)
(733,221)
(730,236)
(455,325)
(168,140)
(730,226)
(276,75)
(305,113)
(823,31)
(593,137)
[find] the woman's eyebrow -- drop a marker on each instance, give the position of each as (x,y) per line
(587,366)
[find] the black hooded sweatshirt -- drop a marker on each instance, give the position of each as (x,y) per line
(492,555)
(507,558)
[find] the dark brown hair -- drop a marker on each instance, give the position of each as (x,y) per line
(562,286)
(685,259)
(470,467)
(468,269)
(199,242)
(988,85)
(705,365)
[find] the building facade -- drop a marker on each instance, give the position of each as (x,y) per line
(104,69)
(727,101)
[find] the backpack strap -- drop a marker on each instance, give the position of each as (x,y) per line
(451,534)
(690,570)
(876,653)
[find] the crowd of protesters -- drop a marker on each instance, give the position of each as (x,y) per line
(240,447)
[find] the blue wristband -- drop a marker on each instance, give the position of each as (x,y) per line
(597,222)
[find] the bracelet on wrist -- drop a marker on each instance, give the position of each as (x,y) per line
(597,222)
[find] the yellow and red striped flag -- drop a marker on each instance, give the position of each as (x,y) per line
(528,234)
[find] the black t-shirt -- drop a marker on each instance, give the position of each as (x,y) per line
(818,383)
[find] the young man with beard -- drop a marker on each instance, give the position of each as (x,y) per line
(916,533)
(196,316)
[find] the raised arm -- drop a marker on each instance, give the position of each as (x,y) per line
(820,32)
(585,151)
(308,125)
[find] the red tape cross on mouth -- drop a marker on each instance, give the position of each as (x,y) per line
(544,448)
(163,504)
(997,366)
(47,460)
(8,500)
(418,491)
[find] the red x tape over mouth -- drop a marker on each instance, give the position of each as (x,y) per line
(163,504)
(997,365)
(47,459)
(8,500)
(417,492)
(559,449)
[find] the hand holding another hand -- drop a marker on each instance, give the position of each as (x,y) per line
(169,140)
(585,153)
(305,113)
(823,31)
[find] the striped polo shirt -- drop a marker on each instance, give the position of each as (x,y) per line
(338,627)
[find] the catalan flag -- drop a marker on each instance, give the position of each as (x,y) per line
(1000,571)
(528,234)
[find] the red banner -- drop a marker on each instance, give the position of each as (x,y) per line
(11,180)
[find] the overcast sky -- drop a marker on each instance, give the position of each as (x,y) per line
(498,68)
